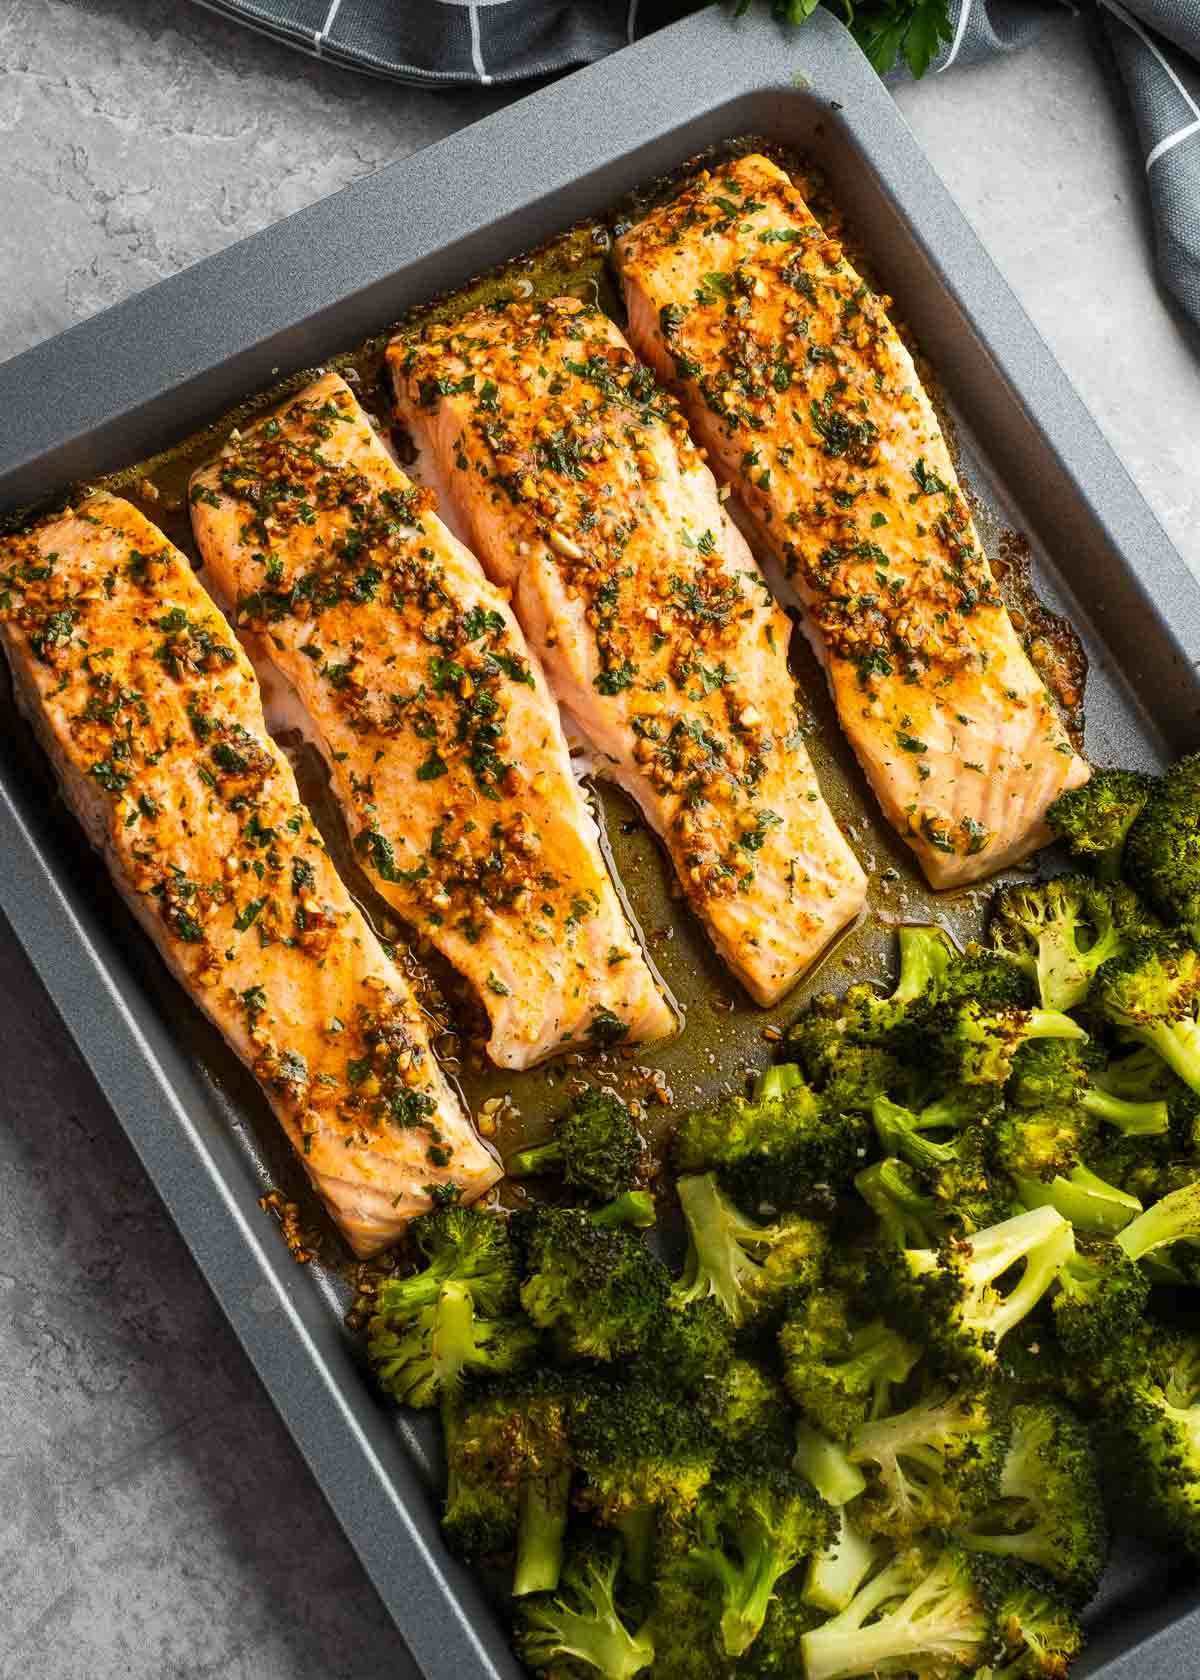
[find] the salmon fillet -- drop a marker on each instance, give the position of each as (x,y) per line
(444,747)
(577,485)
(145,703)
(808,403)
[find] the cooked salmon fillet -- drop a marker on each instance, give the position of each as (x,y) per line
(445,748)
(808,403)
(149,710)
(573,474)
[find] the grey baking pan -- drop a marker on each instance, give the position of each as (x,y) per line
(173,359)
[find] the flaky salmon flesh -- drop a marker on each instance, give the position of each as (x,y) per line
(149,710)
(445,748)
(808,403)
(575,482)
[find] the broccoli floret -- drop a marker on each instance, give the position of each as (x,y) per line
(1055,1072)
(1101,1298)
(640,1449)
(597,1149)
(931,1466)
(463,1245)
(1037,1631)
(1049,1512)
(1151,994)
(955,1169)
(578,1633)
(1162,852)
(908,1215)
(962,1298)
(977,1044)
(509,1462)
(1152,1399)
(841,1372)
(1059,932)
(599,1290)
(748,1403)
(844,1046)
(752,1270)
(923,1613)
(1094,820)
(777,1146)
(422,1357)
(688,1347)
(1043,1150)
(752,1525)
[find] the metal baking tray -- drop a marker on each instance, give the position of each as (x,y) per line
(175,358)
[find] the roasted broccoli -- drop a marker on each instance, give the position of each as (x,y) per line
(931,1466)
(1162,852)
(908,1215)
(639,1449)
(963,1297)
(956,1169)
(578,1633)
(1151,1397)
(1042,1151)
(977,1044)
(1101,1298)
(462,1245)
(840,1371)
(1055,1072)
(1173,1220)
(597,1149)
(1151,994)
(421,1357)
(746,1403)
(1094,820)
(509,1462)
(1060,932)
(753,1523)
(752,1270)
(1038,1634)
(598,1289)
(778,1146)
(1049,1511)
(922,1613)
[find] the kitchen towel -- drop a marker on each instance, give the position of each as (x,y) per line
(447,42)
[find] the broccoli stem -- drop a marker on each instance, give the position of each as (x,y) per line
(1177,1042)
(717,1264)
(1134,1119)
(533,1162)
(934,1622)
(925,954)
(908,1219)
(1092,1206)
(1176,1218)
(1043,1239)
(835,1575)
(634,1208)
(639,1531)
(541,1526)
(747,1589)
(775,1082)
(827,1466)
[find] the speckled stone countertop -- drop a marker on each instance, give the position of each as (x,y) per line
(155,1521)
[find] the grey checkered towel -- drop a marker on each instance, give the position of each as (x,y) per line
(441,42)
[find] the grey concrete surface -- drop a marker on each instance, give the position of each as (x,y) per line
(155,1521)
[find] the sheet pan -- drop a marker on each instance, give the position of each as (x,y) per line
(172,359)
